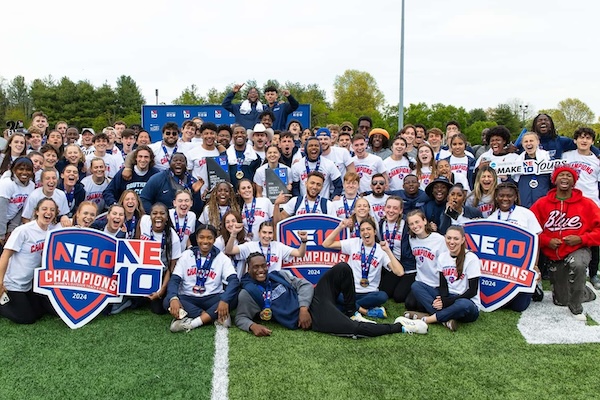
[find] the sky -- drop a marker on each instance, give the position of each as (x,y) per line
(474,54)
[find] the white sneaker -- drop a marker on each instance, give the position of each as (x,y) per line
(180,325)
(359,318)
(580,317)
(412,325)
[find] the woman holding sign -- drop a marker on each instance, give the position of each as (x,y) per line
(195,294)
(21,256)
(255,210)
(456,296)
(273,154)
(366,259)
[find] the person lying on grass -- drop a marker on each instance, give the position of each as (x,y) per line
(292,302)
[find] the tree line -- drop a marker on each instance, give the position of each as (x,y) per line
(356,93)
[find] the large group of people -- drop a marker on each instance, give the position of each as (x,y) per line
(403,199)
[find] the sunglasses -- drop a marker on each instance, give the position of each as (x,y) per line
(346,129)
(170,133)
(378,183)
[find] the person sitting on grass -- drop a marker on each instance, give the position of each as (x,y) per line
(367,259)
(457,297)
(293,303)
(195,294)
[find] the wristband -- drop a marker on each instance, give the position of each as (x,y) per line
(173,298)
(304,241)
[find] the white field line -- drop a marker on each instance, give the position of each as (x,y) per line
(220,379)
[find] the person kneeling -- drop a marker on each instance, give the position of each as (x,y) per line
(195,294)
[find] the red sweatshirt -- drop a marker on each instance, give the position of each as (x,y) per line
(576,215)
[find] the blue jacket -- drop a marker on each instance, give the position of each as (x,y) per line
(413,202)
(161,188)
(78,196)
(282,111)
(246,120)
(118,185)
(468,212)
(434,210)
(558,145)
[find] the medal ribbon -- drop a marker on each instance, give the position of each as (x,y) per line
(70,197)
(509,213)
(180,232)
(167,158)
(348,209)
(189,180)
(314,209)
(390,239)
(267,294)
(318,164)
(366,264)
(240,160)
(130,225)
(226,210)
(356,229)
(202,270)
(268,256)
(250,215)
(163,240)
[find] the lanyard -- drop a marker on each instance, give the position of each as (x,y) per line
(130,227)
(366,264)
(509,213)
(348,209)
(390,239)
(250,217)
(189,180)
(162,241)
(70,197)
(314,209)
(202,270)
(318,164)
(180,232)
(166,158)
(240,159)
(268,256)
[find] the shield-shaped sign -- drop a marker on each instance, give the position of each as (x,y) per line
(317,259)
(508,254)
(77,274)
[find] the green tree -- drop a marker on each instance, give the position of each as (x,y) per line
(473,131)
(105,106)
(190,95)
(43,96)
(356,93)
(573,113)
(311,94)
(476,115)
(18,95)
(129,96)
(504,115)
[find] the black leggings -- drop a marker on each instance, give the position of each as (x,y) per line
(327,317)
(396,287)
(25,307)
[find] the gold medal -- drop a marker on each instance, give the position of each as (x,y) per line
(266,314)
(364,282)
(239,174)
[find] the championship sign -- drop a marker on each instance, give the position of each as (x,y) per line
(526,167)
(317,259)
(83,270)
(218,170)
(276,181)
(508,255)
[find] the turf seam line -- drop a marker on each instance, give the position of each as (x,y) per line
(220,379)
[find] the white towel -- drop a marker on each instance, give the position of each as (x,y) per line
(246,107)
(249,155)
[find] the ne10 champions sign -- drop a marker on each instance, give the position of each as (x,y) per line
(508,254)
(83,270)
(317,259)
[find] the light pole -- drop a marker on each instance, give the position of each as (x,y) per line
(401,99)
(523,108)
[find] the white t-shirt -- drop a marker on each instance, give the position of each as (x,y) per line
(263,211)
(340,208)
(187,227)
(279,252)
(352,247)
(426,252)
(457,285)
(58,196)
(261,180)
(290,205)
(93,191)
(588,168)
(366,168)
(506,158)
(340,157)
(426,177)
(204,216)
(27,242)
(162,159)
(113,165)
(146,233)
(186,268)
(326,167)
(397,170)
(16,194)
(486,204)
(238,263)
(377,206)
(459,165)
(394,239)
(520,216)
(196,159)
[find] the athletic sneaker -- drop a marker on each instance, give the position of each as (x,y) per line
(180,325)
(118,307)
(415,315)
(451,324)
(359,318)
(580,317)
(595,281)
(377,312)
(412,325)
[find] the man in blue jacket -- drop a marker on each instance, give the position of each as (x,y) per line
(247,112)
(281,111)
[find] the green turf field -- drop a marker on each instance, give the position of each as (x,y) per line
(134,356)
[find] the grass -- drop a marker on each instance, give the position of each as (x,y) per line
(134,356)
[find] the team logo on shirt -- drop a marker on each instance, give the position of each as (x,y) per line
(317,259)
(84,270)
(507,253)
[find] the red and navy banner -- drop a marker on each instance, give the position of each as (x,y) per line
(317,259)
(508,255)
(83,270)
